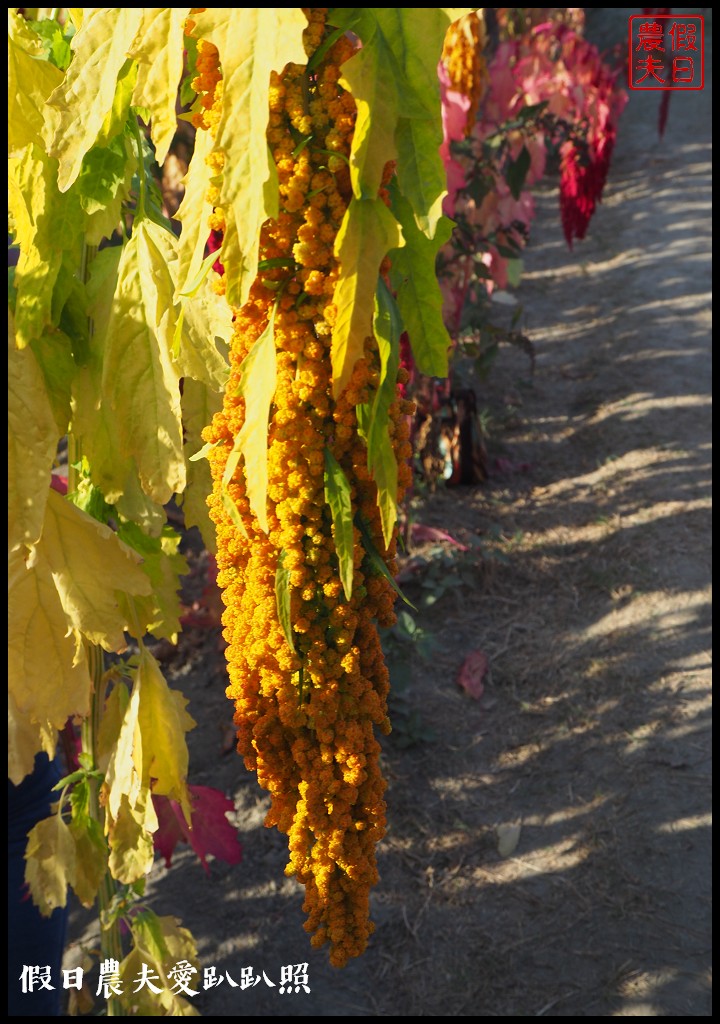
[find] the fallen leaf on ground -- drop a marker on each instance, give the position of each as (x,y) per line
(471,674)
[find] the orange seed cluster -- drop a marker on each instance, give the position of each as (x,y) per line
(305,711)
(464,61)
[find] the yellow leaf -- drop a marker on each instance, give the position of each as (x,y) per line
(158,48)
(205,319)
(139,379)
(366,234)
(47,675)
(130,839)
(193,214)
(252,42)
(91,857)
(44,223)
(124,765)
(32,443)
(88,565)
(111,723)
(257,386)
(50,863)
(151,747)
(26,738)
(159,612)
(163,723)
(30,82)
(393,79)
(159,942)
(199,405)
(77,108)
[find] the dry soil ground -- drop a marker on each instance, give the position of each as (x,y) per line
(587,586)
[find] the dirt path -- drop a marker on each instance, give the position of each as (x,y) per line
(591,598)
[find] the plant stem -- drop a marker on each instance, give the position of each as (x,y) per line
(110,938)
(140,211)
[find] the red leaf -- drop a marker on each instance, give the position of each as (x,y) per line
(211,832)
(420,533)
(473,671)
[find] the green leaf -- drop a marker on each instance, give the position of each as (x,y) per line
(516,172)
(252,42)
(199,405)
(283,599)
(393,78)
(91,856)
(257,387)
(367,232)
(377,562)
(381,457)
(418,293)
(53,352)
(103,185)
(78,106)
(158,48)
(421,173)
(56,46)
(159,612)
(32,442)
(139,379)
(337,495)
(50,863)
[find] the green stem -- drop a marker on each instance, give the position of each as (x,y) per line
(140,211)
(54,11)
(110,938)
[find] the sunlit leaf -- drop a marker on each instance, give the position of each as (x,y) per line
(381,457)
(393,79)
(158,49)
(32,443)
(366,234)
(199,405)
(77,108)
(257,387)
(158,944)
(159,612)
(283,599)
(418,293)
(30,82)
(163,724)
(139,378)
(337,495)
(204,320)
(50,863)
(48,679)
(193,214)
(88,565)
(130,839)
(44,224)
(252,42)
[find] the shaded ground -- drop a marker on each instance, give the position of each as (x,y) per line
(587,586)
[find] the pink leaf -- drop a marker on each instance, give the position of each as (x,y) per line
(211,832)
(421,533)
(473,671)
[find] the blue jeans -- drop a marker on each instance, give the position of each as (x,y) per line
(33,940)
